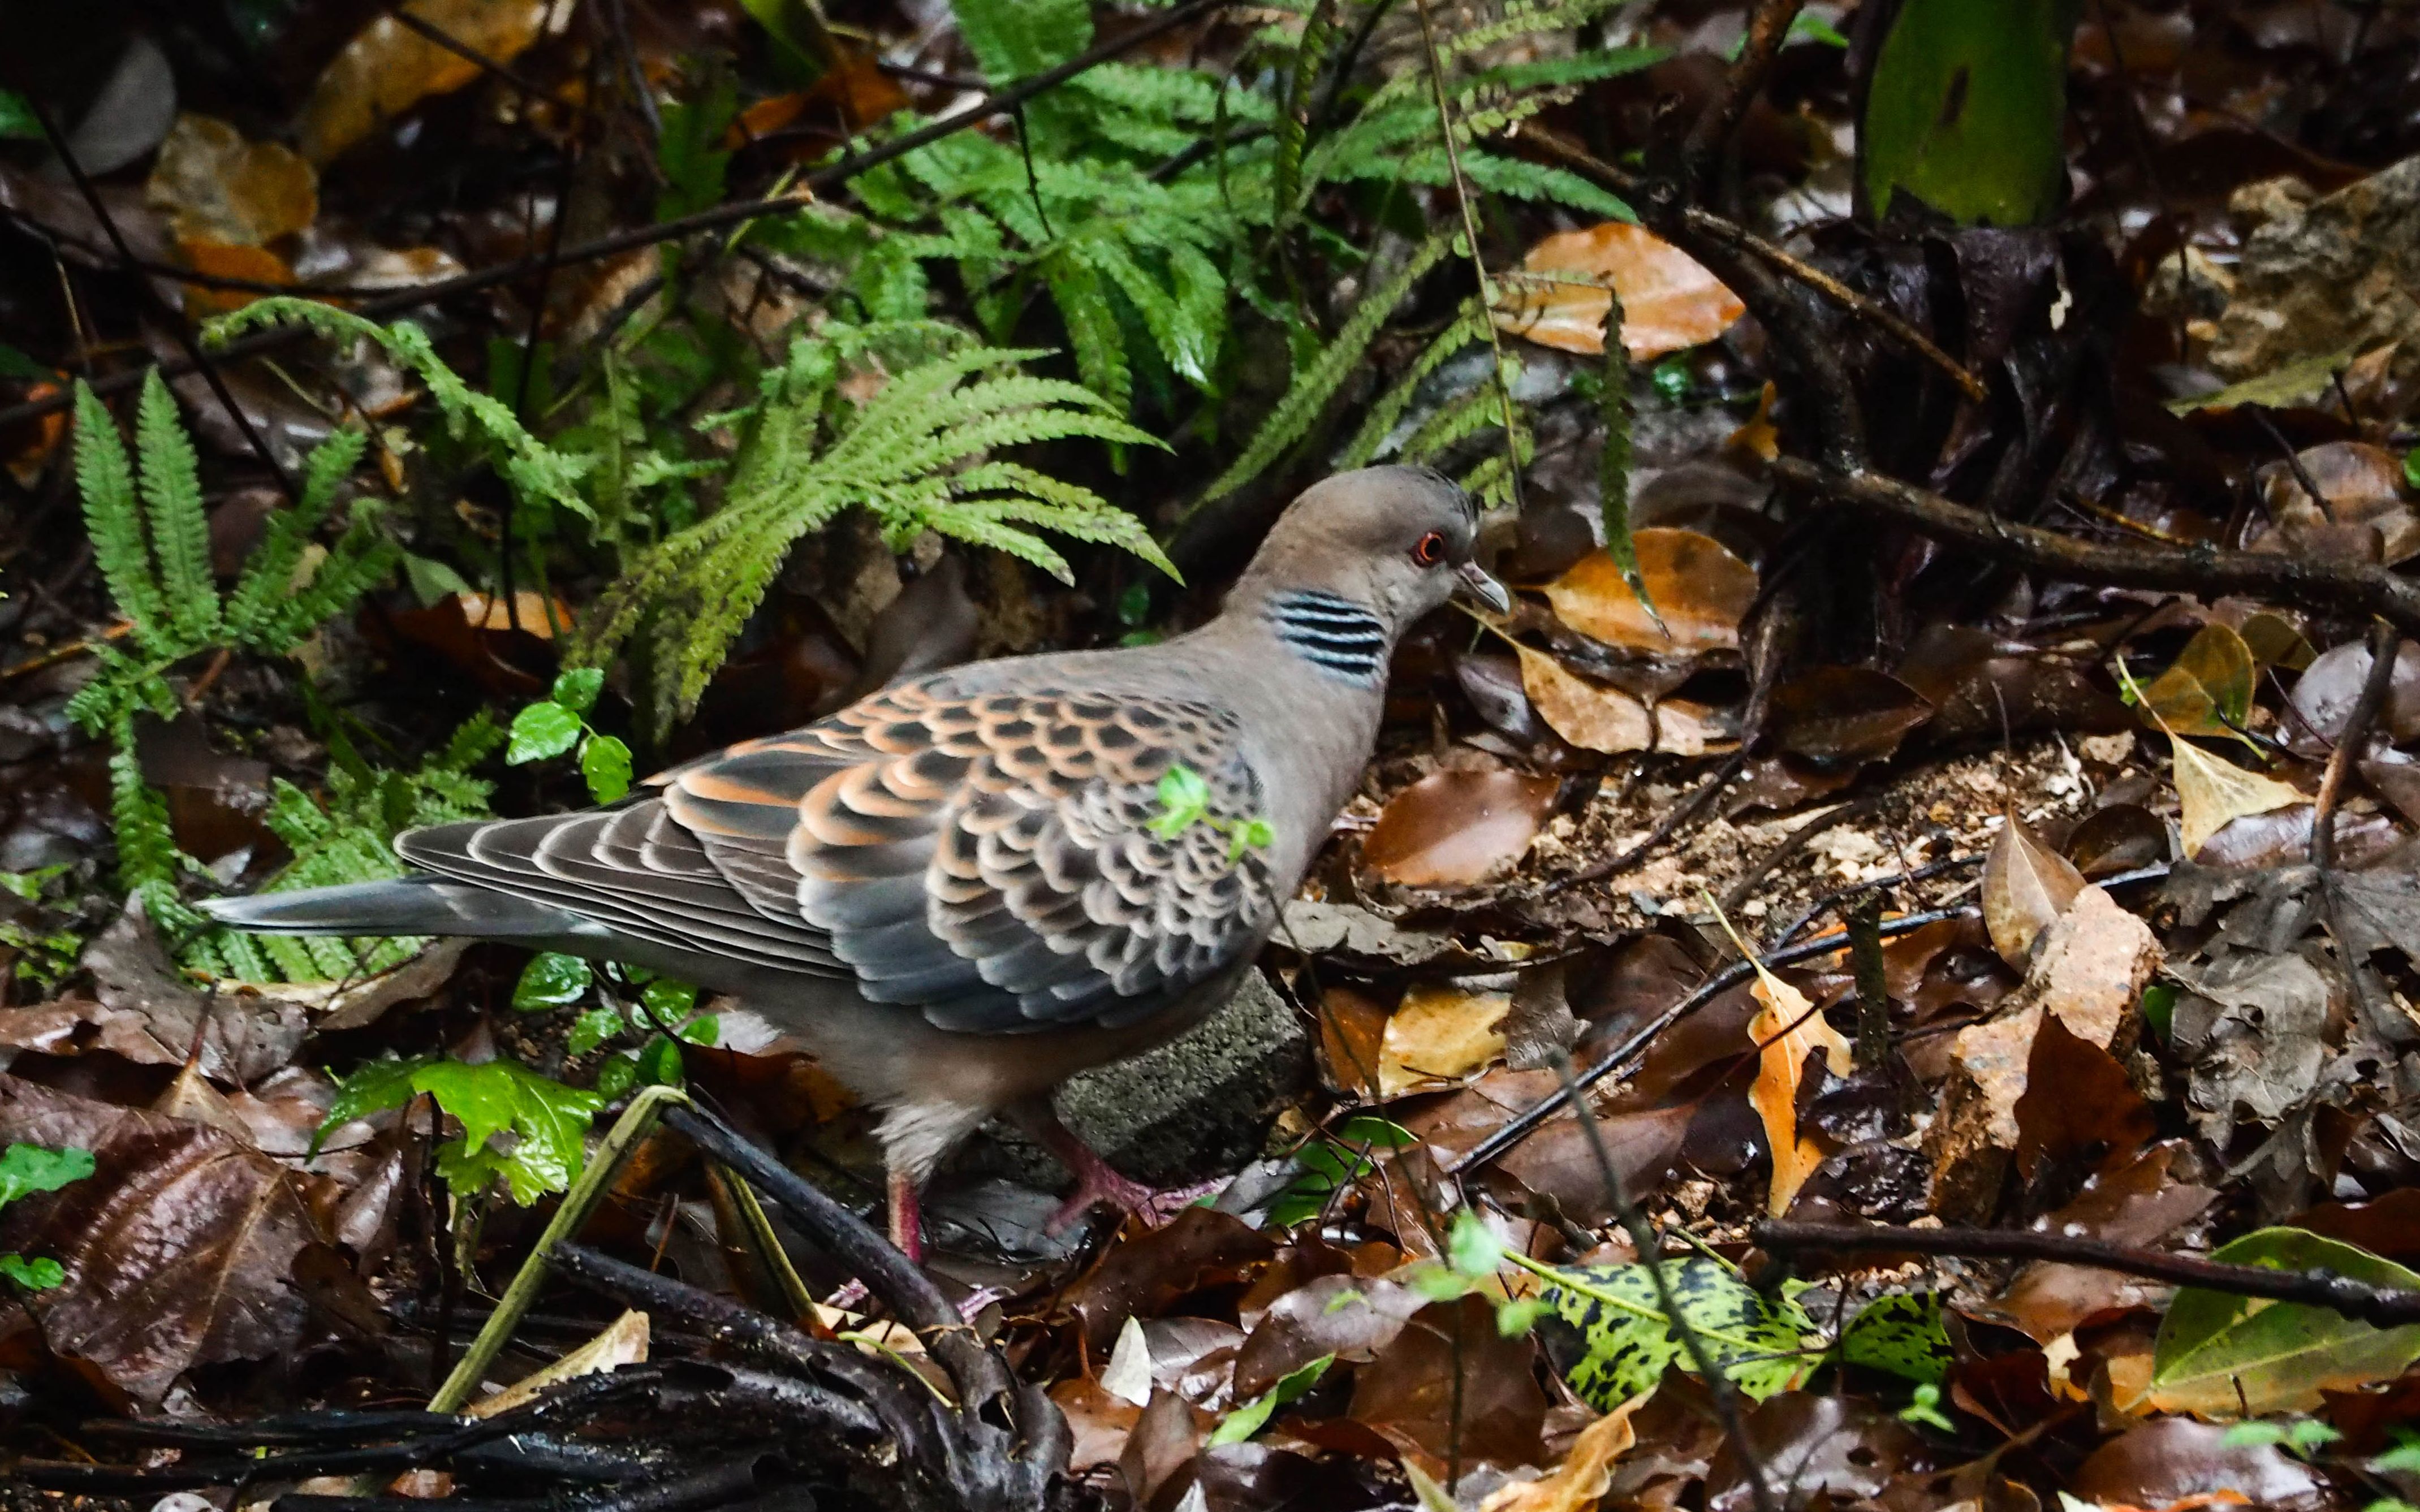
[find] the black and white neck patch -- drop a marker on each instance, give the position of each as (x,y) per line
(1333,633)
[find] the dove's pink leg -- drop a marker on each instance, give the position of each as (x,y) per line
(1096,1179)
(906,1216)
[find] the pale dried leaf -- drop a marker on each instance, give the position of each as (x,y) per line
(1440,1034)
(1578,1483)
(1669,300)
(387,68)
(1589,715)
(2211,793)
(2026,886)
(218,188)
(623,1342)
(1699,587)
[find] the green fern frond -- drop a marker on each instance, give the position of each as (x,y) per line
(1319,382)
(181,533)
(1389,411)
(114,523)
(916,455)
(264,592)
(533,469)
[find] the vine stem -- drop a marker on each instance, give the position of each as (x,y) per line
(632,1126)
(1469,209)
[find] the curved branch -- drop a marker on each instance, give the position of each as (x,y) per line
(2380,1306)
(2330,588)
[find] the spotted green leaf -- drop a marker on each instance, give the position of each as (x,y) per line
(1901,1334)
(1764,1345)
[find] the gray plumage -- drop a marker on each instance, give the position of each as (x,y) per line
(963,889)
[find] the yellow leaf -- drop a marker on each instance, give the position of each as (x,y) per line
(1440,1034)
(1589,715)
(1787,1029)
(2211,793)
(2209,690)
(1698,586)
(624,1342)
(218,188)
(1581,1479)
(1669,300)
(388,68)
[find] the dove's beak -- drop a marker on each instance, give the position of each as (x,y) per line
(1478,587)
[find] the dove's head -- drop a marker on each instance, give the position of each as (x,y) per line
(1396,540)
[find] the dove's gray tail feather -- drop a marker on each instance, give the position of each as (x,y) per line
(411,906)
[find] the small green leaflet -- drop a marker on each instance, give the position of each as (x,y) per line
(17,118)
(1901,1334)
(605,766)
(544,729)
(1253,1415)
(577,688)
(550,980)
(548,1121)
(1764,1347)
(592,1029)
(26,1169)
(667,999)
(39,1273)
(1329,1166)
(1184,801)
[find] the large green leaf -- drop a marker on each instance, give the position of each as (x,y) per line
(1766,1346)
(1966,110)
(2226,1356)
(1901,1333)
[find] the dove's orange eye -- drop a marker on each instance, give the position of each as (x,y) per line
(1430,550)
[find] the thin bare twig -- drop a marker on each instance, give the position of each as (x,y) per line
(2380,1306)
(2327,587)
(1768,27)
(2384,642)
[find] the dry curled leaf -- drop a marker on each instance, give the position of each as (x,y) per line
(1582,1478)
(2207,692)
(1669,300)
(1440,1034)
(2211,791)
(2026,886)
(219,189)
(388,68)
(1457,826)
(1787,1029)
(1700,588)
(1595,717)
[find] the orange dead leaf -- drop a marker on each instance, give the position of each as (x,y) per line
(221,260)
(216,187)
(388,68)
(1699,587)
(1787,1029)
(1581,1480)
(1439,1035)
(1669,300)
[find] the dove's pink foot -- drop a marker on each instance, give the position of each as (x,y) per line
(907,1215)
(1097,1181)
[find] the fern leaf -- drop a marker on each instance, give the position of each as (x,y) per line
(533,469)
(266,585)
(114,523)
(181,533)
(1092,328)
(1319,382)
(1380,422)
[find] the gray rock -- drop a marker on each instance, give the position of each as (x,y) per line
(1198,1106)
(2337,276)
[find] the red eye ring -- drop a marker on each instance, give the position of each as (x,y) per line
(1429,549)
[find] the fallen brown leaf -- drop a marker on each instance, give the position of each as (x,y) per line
(1669,300)
(2211,791)
(1439,1035)
(388,68)
(1700,588)
(2026,886)
(177,1252)
(1582,1478)
(1457,826)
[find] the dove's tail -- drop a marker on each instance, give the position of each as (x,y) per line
(410,905)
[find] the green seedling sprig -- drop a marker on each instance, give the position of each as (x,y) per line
(559,721)
(1185,801)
